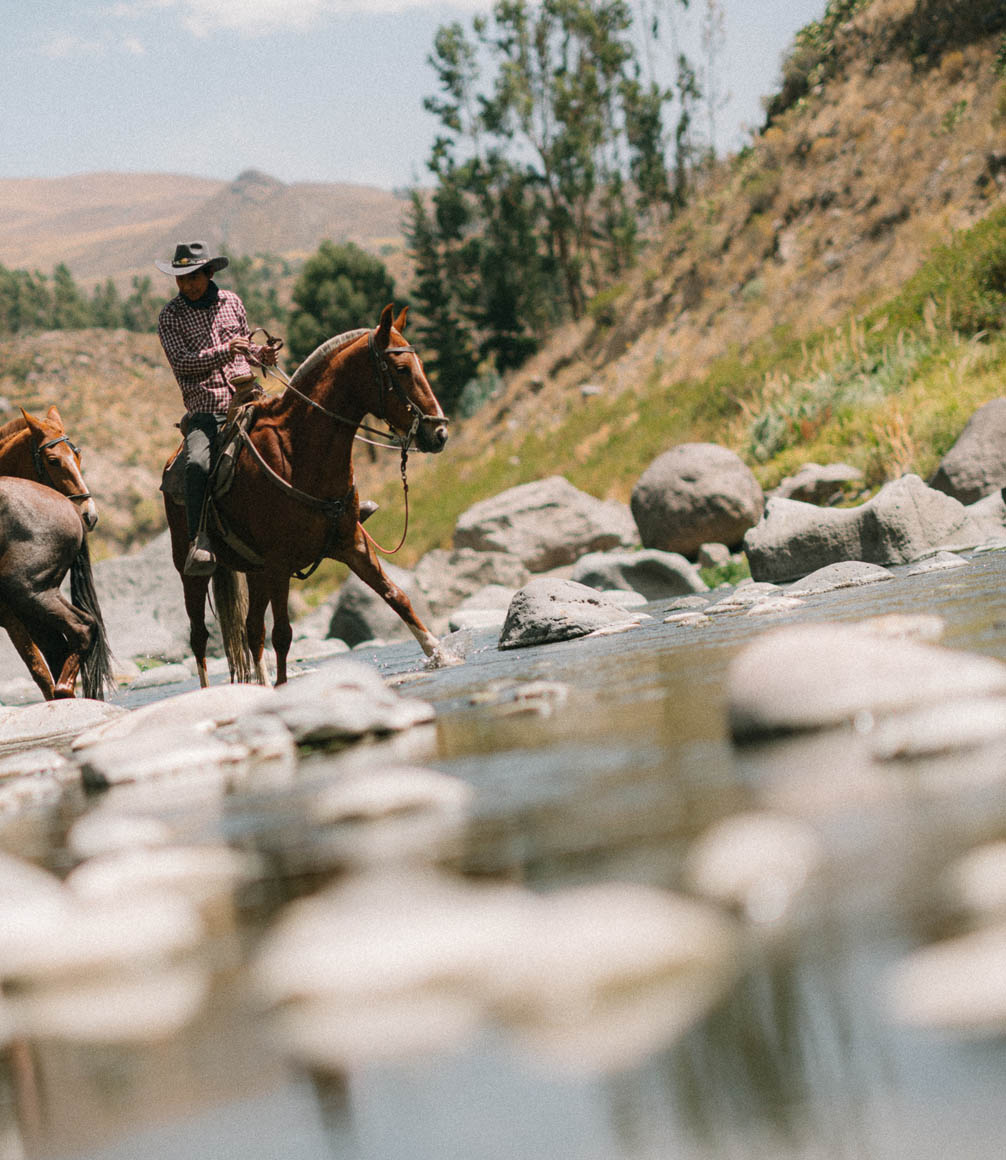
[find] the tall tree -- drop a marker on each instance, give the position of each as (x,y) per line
(340,288)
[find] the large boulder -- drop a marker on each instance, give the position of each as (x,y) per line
(359,614)
(548,609)
(447,578)
(656,575)
(976,464)
(694,494)
(903,521)
(545,524)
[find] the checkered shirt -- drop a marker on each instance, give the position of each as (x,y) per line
(195,342)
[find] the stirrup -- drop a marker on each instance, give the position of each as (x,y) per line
(367,509)
(200,560)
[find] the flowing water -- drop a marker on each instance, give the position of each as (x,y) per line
(626,764)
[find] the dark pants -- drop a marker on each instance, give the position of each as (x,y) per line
(201,429)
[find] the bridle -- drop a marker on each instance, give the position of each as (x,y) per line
(42,471)
(387,380)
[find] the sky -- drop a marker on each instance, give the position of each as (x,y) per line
(305,90)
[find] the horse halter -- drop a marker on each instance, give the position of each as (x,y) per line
(387,379)
(42,471)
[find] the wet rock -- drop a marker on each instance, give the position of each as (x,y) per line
(941,728)
(904,520)
(198,710)
(758,863)
(990,515)
(387,964)
(604,976)
(104,831)
(937,562)
(203,874)
(687,619)
(138,1006)
(510,697)
(816,483)
(265,748)
(450,578)
(52,722)
(976,464)
(693,494)
(40,762)
(397,813)
(548,610)
(654,574)
(817,675)
(343,702)
(957,985)
(847,574)
(69,936)
(742,598)
(775,606)
(159,754)
(359,615)
(545,524)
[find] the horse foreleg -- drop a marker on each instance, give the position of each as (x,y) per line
(258,602)
(362,559)
(29,652)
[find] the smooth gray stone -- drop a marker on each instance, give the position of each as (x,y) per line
(817,675)
(546,610)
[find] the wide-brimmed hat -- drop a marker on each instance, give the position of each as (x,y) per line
(190,257)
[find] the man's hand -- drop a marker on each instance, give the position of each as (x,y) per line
(268,355)
(240,345)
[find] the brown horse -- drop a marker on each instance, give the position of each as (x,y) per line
(292,501)
(40,449)
(41,539)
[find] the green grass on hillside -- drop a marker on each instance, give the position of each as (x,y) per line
(888,391)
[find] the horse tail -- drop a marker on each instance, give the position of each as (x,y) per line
(230,597)
(96,662)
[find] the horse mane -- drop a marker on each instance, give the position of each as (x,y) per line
(322,353)
(11,427)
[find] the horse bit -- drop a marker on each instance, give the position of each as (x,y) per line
(43,472)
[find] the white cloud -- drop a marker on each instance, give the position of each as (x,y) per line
(133,45)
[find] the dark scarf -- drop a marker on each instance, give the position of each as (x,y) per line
(207,300)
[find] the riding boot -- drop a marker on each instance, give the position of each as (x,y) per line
(367,509)
(200,560)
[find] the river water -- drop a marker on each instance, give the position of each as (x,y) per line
(800,1057)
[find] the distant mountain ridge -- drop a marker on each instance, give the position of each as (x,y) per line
(113,225)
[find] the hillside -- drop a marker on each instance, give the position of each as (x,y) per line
(113,225)
(769,316)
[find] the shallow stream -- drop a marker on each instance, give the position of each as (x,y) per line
(611,775)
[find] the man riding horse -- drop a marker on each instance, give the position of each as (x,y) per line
(205,335)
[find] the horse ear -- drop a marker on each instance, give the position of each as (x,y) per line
(401,320)
(54,416)
(383,335)
(32,422)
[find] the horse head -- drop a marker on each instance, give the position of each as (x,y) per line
(57,462)
(408,404)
